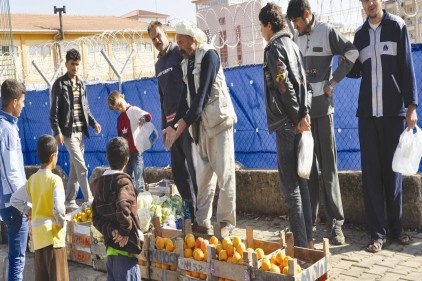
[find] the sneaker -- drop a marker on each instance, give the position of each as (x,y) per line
(337,236)
(71,205)
(199,229)
(226,229)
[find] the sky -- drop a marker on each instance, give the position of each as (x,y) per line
(177,9)
(345,11)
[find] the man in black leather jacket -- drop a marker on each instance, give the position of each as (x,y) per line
(69,118)
(288,105)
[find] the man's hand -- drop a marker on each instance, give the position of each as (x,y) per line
(59,139)
(170,137)
(97,128)
(117,238)
(329,87)
(411,116)
(304,124)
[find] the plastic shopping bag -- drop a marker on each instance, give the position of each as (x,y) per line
(407,156)
(145,136)
(305,155)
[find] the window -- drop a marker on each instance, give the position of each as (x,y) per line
(223,37)
(222,21)
(40,50)
(144,47)
(224,56)
(239,46)
(9,50)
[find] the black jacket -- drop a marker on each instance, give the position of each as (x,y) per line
(61,111)
(288,96)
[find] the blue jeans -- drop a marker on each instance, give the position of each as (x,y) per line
(17,234)
(135,168)
(294,189)
(122,268)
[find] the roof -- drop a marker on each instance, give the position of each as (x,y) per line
(143,13)
(38,23)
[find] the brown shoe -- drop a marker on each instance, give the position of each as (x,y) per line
(196,228)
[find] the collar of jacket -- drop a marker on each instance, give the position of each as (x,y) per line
(278,34)
(385,19)
(313,24)
(68,80)
(9,117)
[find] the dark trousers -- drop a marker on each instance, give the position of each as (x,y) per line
(294,189)
(51,264)
(378,138)
(122,268)
(183,168)
(326,155)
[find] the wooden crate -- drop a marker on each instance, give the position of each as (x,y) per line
(163,257)
(315,264)
(79,242)
(240,272)
(190,265)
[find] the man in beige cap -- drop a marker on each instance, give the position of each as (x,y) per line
(208,113)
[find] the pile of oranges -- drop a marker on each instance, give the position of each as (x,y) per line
(277,263)
(85,215)
(228,249)
(165,244)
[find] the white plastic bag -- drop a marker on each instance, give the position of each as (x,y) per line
(305,155)
(145,136)
(407,156)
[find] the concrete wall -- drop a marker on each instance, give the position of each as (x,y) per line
(258,192)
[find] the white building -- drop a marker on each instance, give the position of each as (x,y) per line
(411,12)
(233,26)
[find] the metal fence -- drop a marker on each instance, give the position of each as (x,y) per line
(254,146)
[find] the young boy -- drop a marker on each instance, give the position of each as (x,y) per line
(46,192)
(128,121)
(115,214)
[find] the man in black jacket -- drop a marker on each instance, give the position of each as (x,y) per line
(69,117)
(171,88)
(288,107)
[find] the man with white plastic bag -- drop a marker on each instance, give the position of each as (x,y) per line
(409,152)
(287,105)
(388,86)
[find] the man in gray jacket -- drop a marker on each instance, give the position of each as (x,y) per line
(318,43)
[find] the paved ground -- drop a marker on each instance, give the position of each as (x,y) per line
(349,262)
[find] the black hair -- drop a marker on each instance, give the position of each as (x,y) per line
(117,153)
(272,13)
(46,146)
(296,8)
(73,54)
(11,89)
(154,24)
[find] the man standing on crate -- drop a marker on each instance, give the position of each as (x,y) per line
(171,88)
(12,175)
(319,42)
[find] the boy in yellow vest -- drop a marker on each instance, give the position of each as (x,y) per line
(46,193)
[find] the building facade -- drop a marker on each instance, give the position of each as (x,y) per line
(411,12)
(107,44)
